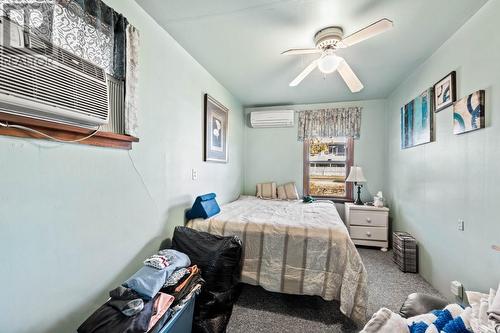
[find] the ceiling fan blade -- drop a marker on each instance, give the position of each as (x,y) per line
(349,77)
(370,31)
(304,73)
(301,51)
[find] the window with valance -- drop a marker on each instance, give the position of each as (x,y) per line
(328,136)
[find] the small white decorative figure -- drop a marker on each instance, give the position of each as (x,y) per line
(378,201)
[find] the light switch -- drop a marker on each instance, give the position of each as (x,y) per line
(461,225)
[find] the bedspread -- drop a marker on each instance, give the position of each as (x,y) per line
(295,248)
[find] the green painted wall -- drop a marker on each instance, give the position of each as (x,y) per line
(274,154)
(434,185)
(76,221)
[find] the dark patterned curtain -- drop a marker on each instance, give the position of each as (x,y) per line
(38,15)
(87,28)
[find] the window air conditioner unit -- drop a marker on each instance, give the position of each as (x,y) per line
(272,118)
(42,81)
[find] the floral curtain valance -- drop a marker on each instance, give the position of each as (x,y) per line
(329,123)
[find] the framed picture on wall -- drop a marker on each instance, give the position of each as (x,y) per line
(468,113)
(216,121)
(417,123)
(445,92)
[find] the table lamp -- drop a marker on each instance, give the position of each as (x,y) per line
(356,176)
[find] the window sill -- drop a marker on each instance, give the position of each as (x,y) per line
(334,199)
(64,132)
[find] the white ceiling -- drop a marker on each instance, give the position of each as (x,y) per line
(239,42)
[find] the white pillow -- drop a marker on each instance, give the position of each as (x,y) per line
(281,192)
(288,191)
(266,190)
(386,321)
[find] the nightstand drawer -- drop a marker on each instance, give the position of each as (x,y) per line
(368,218)
(369,233)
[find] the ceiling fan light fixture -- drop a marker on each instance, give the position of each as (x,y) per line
(327,41)
(329,63)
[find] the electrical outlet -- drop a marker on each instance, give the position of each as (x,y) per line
(461,225)
(194,174)
(457,289)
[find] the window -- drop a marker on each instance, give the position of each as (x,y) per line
(85,42)
(326,166)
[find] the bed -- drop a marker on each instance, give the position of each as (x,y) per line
(295,248)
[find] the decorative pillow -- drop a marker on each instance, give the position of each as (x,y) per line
(266,190)
(288,191)
(386,321)
(417,304)
(281,192)
(452,319)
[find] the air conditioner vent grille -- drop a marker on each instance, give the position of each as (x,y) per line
(116,122)
(272,118)
(25,74)
(53,52)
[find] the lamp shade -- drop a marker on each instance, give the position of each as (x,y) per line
(329,63)
(356,175)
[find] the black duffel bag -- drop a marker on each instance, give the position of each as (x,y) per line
(219,259)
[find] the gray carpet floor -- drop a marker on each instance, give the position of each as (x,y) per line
(258,310)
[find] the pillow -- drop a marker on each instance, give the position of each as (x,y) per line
(266,190)
(453,318)
(386,321)
(288,191)
(281,192)
(417,304)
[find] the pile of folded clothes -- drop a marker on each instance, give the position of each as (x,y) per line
(150,298)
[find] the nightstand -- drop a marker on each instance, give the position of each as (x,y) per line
(368,225)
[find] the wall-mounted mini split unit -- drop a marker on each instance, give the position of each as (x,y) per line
(40,80)
(272,118)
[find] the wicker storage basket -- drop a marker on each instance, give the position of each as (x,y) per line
(405,251)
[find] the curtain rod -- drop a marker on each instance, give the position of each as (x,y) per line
(331,108)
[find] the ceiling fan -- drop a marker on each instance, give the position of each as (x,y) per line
(327,41)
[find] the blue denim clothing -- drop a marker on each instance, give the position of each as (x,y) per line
(147,281)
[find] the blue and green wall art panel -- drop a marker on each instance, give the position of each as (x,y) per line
(417,122)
